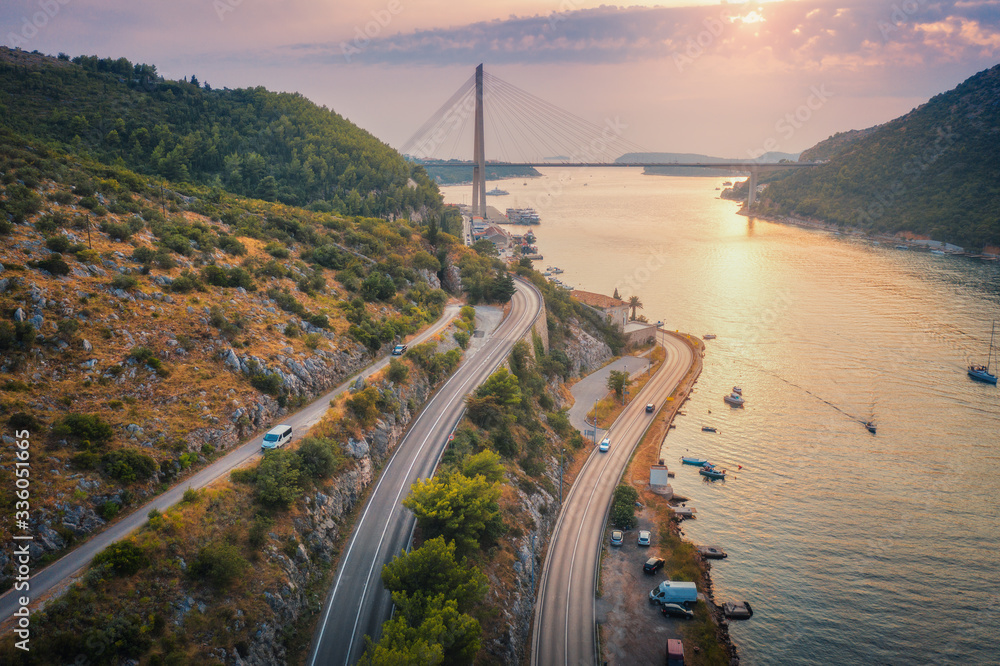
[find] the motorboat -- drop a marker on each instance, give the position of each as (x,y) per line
(734,399)
(684,512)
(871,427)
(981,373)
(556,269)
(691,460)
(712,552)
(712,472)
(709,429)
(708,336)
(937,253)
(737,610)
(737,390)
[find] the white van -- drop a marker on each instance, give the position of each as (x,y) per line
(277,437)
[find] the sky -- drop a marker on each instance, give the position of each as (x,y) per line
(723,79)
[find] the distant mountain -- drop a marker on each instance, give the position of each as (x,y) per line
(695,157)
(931,172)
(251,142)
(455,175)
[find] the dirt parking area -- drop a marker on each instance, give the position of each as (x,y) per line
(633,631)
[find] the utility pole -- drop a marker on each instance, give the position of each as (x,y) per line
(562,453)
(533,537)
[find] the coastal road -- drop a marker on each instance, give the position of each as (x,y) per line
(565,630)
(62,570)
(357,604)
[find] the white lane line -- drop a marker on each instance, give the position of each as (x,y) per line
(502,339)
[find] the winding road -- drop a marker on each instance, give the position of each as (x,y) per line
(565,629)
(62,570)
(357,604)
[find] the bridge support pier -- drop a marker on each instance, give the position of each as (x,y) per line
(752,189)
(479,152)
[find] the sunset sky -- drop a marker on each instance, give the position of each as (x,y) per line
(681,76)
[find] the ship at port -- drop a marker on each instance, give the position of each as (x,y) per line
(496,191)
(522,216)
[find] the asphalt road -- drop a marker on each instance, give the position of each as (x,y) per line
(357,604)
(62,570)
(594,386)
(565,629)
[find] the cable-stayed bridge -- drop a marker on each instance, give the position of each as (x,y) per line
(526,131)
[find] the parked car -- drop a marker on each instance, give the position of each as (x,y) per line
(605,444)
(653,565)
(398,350)
(650,408)
(617,537)
(675,652)
(676,610)
(643,537)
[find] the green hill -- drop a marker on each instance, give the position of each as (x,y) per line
(252,142)
(931,172)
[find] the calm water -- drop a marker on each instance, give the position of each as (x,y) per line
(852,548)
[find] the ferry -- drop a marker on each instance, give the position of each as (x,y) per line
(496,191)
(522,215)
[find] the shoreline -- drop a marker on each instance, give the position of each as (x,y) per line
(637,475)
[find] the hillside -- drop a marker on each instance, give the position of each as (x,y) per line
(252,142)
(146,330)
(931,172)
(455,175)
(829,147)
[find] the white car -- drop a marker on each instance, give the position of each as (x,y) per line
(605,444)
(643,537)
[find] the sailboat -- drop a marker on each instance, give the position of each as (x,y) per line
(982,372)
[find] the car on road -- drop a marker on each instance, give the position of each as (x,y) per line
(605,444)
(650,408)
(398,350)
(643,537)
(653,565)
(277,437)
(676,610)
(617,538)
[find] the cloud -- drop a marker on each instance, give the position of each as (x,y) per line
(810,33)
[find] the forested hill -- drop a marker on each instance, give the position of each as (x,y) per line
(932,172)
(252,142)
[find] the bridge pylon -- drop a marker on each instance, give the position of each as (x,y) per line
(479,152)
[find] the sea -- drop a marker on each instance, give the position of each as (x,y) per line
(850,547)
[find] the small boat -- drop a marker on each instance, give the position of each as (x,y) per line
(496,191)
(708,336)
(982,373)
(737,390)
(937,253)
(902,247)
(734,399)
(711,472)
(556,269)
(684,512)
(708,429)
(737,610)
(712,552)
(691,460)
(871,427)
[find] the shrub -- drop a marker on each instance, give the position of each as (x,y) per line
(312,340)
(623,507)
(24,421)
(58,243)
(109,510)
(54,264)
(462,338)
(125,558)
(128,466)
(277,250)
(146,355)
(190,496)
(398,371)
(257,535)
(219,564)
(85,460)
(276,480)
(186,282)
(115,231)
(84,427)
(364,405)
(126,282)
(317,457)
(230,245)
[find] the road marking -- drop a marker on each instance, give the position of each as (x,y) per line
(502,340)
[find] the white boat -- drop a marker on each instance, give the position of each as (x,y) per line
(557,270)
(708,336)
(734,399)
(938,253)
(737,390)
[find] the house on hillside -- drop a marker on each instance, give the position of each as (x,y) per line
(614,309)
